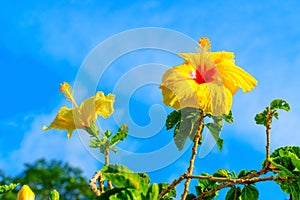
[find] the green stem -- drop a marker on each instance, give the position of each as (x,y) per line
(192,159)
(268,130)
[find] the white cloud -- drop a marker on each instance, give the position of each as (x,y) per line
(52,144)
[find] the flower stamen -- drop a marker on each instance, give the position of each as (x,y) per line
(204,43)
(66,89)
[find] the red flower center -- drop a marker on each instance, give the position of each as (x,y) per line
(205,77)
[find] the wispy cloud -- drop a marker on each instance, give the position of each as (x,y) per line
(50,145)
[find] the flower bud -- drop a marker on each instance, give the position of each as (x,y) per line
(54,195)
(25,193)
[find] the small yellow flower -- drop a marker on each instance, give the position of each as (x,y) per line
(25,193)
(81,117)
(206,80)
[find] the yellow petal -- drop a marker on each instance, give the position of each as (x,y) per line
(214,98)
(178,88)
(207,80)
(104,104)
(169,98)
(233,76)
(63,121)
(85,114)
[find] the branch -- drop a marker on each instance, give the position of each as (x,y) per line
(191,166)
(252,177)
(106,164)
(227,182)
(231,182)
(93,186)
(192,160)
(173,185)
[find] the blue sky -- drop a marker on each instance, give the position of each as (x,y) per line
(44,43)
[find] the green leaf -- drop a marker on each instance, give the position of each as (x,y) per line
(295,160)
(108,193)
(276,115)
(244,173)
(94,143)
(120,135)
(153,192)
(218,121)
(286,171)
(234,174)
(287,160)
(144,177)
(261,118)
(249,192)
(228,118)
(115,150)
(7,188)
(280,104)
(190,197)
(205,185)
(234,193)
(107,133)
(215,130)
(120,193)
(172,119)
(222,173)
(170,194)
(291,187)
(122,177)
(187,127)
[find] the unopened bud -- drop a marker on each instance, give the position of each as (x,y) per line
(25,193)
(54,195)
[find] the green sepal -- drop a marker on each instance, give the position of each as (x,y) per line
(93,129)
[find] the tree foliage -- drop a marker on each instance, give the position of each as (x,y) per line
(44,176)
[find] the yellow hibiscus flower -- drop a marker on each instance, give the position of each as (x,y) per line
(81,117)
(206,80)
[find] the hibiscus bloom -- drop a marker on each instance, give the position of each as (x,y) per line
(206,80)
(83,116)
